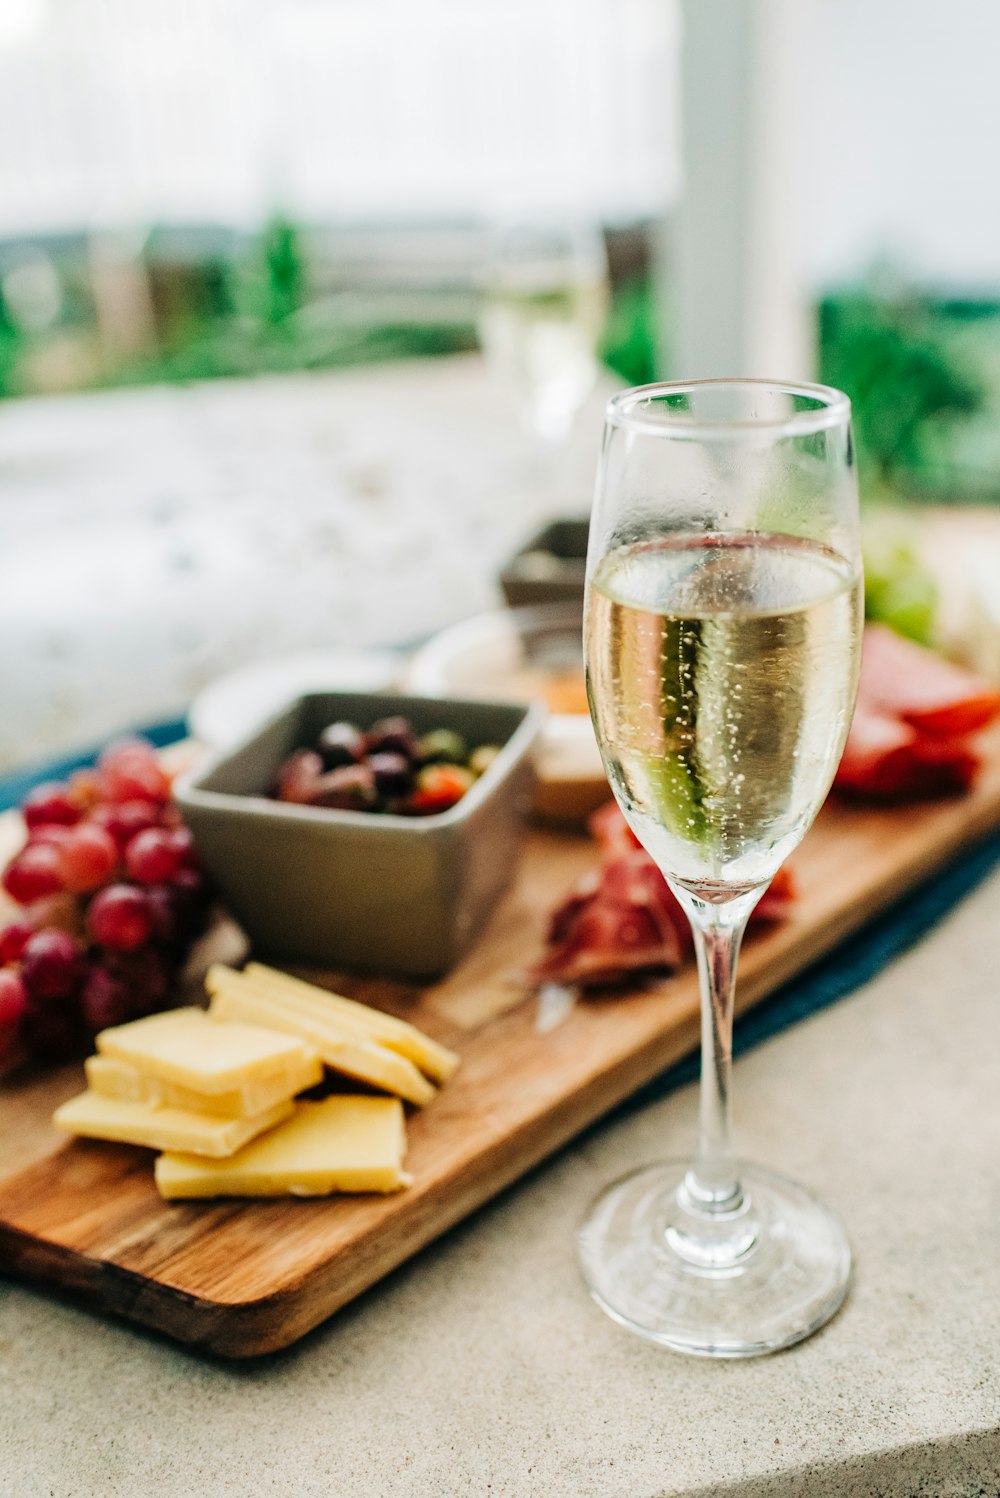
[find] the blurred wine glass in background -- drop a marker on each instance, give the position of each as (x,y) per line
(543,304)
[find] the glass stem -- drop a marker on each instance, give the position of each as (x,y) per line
(712,1184)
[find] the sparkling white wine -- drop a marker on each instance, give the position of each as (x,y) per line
(721,672)
(539,330)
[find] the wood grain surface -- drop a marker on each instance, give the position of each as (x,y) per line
(244,1278)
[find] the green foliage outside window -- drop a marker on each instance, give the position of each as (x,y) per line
(917,371)
(923,372)
(246,306)
(629,344)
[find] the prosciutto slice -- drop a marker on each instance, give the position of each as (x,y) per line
(887,759)
(902,680)
(618,920)
(614,836)
(622,917)
(910,737)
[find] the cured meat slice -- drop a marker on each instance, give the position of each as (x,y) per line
(622,920)
(622,917)
(614,837)
(902,680)
(611,832)
(910,736)
(886,759)
(778,899)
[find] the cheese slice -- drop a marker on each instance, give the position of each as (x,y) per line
(395,1034)
(340,1144)
(95,1117)
(120,1079)
(186,1046)
(335,1043)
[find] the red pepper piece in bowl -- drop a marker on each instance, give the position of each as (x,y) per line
(438,787)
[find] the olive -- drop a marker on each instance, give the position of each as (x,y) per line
(443,746)
(340,744)
(480,759)
(298,776)
(348,788)
(393,773)
(391,736)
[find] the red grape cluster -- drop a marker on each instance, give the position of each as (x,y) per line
(112,896)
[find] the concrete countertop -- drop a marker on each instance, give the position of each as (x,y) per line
(482,1367)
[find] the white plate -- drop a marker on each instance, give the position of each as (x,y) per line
(506,655)
(232,706)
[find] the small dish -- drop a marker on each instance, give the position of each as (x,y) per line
(527,655)
(403,896)
(512,655)
(231,706)
(550,568)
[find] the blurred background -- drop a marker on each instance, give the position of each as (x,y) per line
(308,308)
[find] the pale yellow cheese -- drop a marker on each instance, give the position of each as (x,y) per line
(95,1117)
(340,1144)
(395,1034)
(120,1079)
(188,1047)
(338,1045)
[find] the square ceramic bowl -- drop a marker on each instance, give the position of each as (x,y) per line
(401,896)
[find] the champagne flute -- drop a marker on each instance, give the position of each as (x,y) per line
(542,309)
(723,633)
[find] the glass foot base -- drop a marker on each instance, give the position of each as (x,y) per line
(762,1277)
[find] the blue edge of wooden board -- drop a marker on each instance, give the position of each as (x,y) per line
(853,963)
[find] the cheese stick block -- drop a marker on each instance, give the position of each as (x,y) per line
(119,1079)
(337,1045)
(340,1144)
(95,1117)
(186,1046)
(222,981)
(395,1034)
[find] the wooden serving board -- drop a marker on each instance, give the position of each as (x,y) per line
(246,1278)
